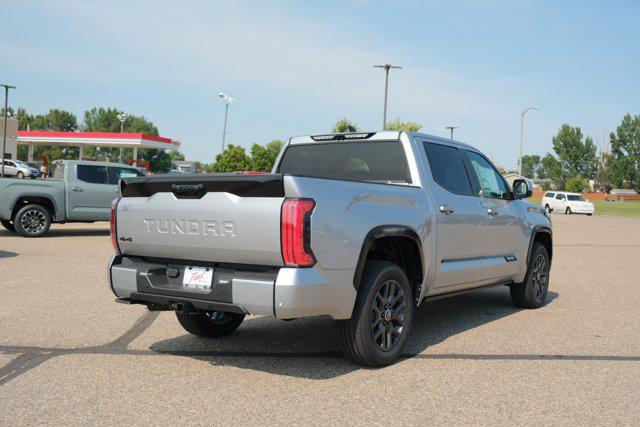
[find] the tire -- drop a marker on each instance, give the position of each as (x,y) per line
(8,225)
(532,293)
(390,318)
(20,175)
(589,214)
(32,221)
(210,324)
(547,208)
(568,212)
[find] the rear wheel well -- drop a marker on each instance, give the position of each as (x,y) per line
(33,200)
(402,251)
(545,240)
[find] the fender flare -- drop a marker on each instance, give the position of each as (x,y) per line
(379,232)
(536,230)
(42,195)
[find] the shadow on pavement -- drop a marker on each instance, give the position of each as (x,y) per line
(307,348)
(7,254)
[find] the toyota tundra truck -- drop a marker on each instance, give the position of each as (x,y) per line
(362,227)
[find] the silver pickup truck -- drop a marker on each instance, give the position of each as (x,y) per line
(362,227)
(75,191)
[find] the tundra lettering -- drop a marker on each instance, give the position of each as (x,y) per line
(190,226)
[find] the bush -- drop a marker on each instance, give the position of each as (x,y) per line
(577,184)
(546,186)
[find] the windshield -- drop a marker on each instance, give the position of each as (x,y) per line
(22,164)
(576,198)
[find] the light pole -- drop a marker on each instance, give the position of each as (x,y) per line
(4,137)
(524,111)
(451,128)
(227,100)
(386,67)
(122,117)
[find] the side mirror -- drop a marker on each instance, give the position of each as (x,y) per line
(522,189)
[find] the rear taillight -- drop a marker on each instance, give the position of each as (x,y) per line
(112,225)
(295,232)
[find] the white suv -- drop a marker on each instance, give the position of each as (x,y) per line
(568,203)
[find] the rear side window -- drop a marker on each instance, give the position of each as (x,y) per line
(447,168)
(92,174)
(116,174)
(382,162)
(56,171)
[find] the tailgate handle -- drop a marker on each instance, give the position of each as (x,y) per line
(188,191)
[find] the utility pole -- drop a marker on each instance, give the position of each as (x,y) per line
(524,111)
(6,112)
(227,100)
(451,128)
(386,67)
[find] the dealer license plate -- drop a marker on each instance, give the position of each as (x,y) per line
(199,278)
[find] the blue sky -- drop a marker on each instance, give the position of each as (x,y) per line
(296,67)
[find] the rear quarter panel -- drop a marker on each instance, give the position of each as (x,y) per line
(346,211)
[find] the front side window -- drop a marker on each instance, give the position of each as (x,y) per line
(489,180)
(92,174)
(550,195)
(447,168)
(560,197)
(378,162)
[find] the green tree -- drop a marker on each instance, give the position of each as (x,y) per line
(406,126)
(263,158)
(578,184)
(550,168)
(625,153)
(106,120)
(530,165)
(342,126)
(60,120)
(232,159)
(576,157)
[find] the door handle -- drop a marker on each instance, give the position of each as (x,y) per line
(492,212)
(77,189)
(446,209)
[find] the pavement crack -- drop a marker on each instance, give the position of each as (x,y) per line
(31,357)
(23,363)
(136,330)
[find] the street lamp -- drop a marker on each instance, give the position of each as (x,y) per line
(386,67)
(227,100)
(4,137)
(524,111)
(451,128)
(122,117)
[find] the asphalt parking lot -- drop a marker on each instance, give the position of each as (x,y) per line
(69,354)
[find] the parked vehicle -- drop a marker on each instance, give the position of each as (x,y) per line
(362,227)
(76,191)
(567,203)
(19,169)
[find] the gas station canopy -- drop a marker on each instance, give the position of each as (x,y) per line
(96,139)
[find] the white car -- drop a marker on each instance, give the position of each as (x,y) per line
(19,169)
(567,203)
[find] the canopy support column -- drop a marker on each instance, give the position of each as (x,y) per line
(30,155)
(80,153)
(135,156)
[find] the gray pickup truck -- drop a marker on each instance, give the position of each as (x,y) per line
(362,227)
(75,191)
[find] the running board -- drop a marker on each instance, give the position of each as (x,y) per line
(465,291)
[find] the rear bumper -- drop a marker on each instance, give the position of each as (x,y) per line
(285,293)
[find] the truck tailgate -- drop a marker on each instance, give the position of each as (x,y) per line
(219,226)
